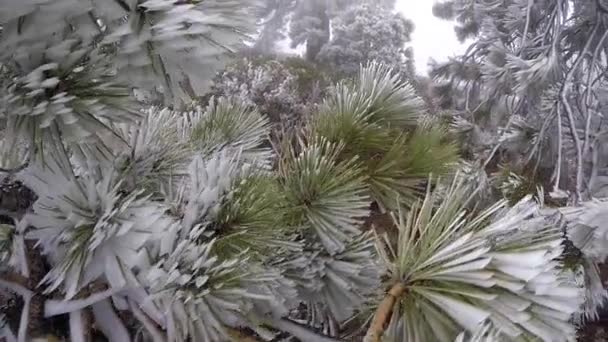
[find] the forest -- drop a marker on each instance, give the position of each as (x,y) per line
(280,171)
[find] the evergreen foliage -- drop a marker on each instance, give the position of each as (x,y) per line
(190,221)
(365,33)
(287,91)
(527,99)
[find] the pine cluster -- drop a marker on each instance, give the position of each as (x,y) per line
(179,219)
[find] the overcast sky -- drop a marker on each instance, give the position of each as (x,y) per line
(432,37)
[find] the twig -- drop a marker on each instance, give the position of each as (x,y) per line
(10,284)
(548,28)
(156,334)
(24,321)
(558,171)
(27,295)
(527,27)
(108,322)
(54,307)
(16,169)
(497,146)
(588,90)
(301,332)
(568,108)
(139,296)
(384,313)
(601,6)
(594,168)
(77,329)
(240,336)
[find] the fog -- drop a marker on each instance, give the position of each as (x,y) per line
(433,37)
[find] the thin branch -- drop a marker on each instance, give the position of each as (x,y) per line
(27,295)
(588,90)
(384,313)
(16,169)
(240,336)
(301,332)
(594,168)
(527,27)
(15,287)
(156,334)
(601,6)
(568,108)
(497,146)
(123,5)
(24,321)
(558,170)
(140,297)
(77,329)
(554,13)
(57,307)
(108,322)
(20,251)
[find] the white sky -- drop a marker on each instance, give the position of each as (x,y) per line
(432,36)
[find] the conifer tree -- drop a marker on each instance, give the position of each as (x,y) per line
(528,99)
(367,32)
(180,222)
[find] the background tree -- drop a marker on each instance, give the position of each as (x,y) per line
(275,14)
(368,32)
(528,100)
(285,89)
(310,25)
(305,23)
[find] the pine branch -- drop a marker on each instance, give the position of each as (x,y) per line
(560,151)
(566,103)
(240,336)
(15,169)
(54,307)
(16,286)
(156,334)
(596,53)
(78,326)
(26,294)
(108,321)
(301,332)
(25,287)
(384,312)
(527,26)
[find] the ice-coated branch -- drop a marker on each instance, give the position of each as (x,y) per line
(301,332)
(108,321)
(78,331)
(384,313)
(53,307)
(151,327)
(565,101)
(27,295)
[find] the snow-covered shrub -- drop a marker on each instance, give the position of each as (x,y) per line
(286,91)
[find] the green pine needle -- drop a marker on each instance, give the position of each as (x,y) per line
(326,194)
(251,218)
(228,123)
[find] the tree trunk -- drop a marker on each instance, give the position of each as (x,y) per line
(315,42)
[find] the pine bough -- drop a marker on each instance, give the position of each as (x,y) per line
(188,225)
